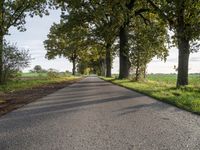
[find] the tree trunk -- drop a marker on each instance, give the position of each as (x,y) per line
(137,73)
(183,61)
(145,71)
(183,47)
(102,67)
(5,75)
(74,67)
(124,47)
(1,58)
(108,60)
(124,53)
(1,38)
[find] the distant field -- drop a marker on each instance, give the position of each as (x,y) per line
(33,74)
(194,79)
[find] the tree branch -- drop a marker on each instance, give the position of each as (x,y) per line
(146,21)
(138,12)
(159,11)
(15,19)
(131,4)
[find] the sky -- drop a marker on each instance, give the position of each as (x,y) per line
(38,28)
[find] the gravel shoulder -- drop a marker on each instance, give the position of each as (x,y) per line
(96,115)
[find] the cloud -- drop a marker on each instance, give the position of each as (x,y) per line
(195,59)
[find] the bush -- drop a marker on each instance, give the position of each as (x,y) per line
(14,60)
(52,74)
(15,75)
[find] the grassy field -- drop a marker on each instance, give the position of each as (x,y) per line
(162,87)
(194,79)
(30,74)
(31,80)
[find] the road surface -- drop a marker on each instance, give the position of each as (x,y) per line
(95,115)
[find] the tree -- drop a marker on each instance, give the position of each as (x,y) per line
(123,10)
(182,17)
(83,15)
(147,40)
(37,68)
(119,14)
(116,17)
(13,14)
(109,17)
(93,60)
(105,22)
(13,61)
(96,15)
(65,40)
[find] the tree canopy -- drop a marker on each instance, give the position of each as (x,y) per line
(182,17)
(91,33)
(13,14)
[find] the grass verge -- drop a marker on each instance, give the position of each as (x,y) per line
(187,98)
(21,84)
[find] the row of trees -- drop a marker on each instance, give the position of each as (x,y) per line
(137,30)
(91,33)
(93,28)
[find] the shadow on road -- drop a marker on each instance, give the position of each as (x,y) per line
(66,105)
(154,106)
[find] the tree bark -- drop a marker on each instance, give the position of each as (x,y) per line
(1,58)
(108,60)
(102,67)
(183,61)
(137,73)
(1,38)
(145,71)
(74,67)
(183,47)
(124,53)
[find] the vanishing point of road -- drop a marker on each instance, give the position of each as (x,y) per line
(96,115)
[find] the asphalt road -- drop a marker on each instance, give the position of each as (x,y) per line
(96,115)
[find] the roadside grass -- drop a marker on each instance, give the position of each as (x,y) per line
(162,87)
(32,81)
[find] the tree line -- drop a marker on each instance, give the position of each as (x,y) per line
(91,33)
